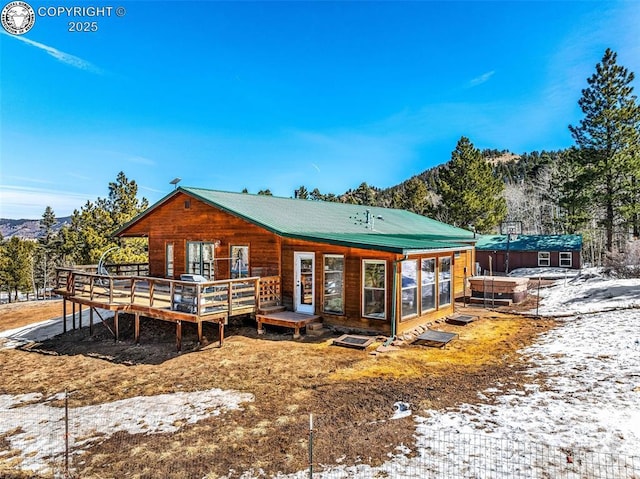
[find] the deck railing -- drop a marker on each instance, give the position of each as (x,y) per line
(212,298)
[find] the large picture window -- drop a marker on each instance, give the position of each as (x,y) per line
(428,284)
(239,262)
(444,282)
(409,288)
(333,298)
(200,259)
(374,294)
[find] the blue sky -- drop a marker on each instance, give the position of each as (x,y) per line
(233,95)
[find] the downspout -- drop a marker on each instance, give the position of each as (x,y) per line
(394,301)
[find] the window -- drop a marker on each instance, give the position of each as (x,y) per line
(428,284)
(374,294)
(409,288)
(565,259)
(333,301)
(200,259)
(444,282)
(239,266)
(544,258)
(169,260)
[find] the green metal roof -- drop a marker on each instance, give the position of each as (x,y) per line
(530,243)
(336,223)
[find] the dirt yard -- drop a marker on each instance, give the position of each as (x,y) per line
(351,393)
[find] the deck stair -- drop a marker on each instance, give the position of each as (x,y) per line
(316,329)
(287,319)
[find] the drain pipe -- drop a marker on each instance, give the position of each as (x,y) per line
(394,301)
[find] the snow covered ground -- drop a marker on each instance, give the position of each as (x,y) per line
(590,400)
(583,394)
(31,425)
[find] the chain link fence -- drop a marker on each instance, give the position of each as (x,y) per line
(51,443)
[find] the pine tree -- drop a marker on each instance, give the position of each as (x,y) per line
(48,253)
(16,273)
(302,193)
(412,196)
(92,227)
(567,193)
(469,192)
(607,139)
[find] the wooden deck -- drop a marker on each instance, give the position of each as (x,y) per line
(286,319)
(165,299)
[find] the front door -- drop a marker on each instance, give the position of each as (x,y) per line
(304,283)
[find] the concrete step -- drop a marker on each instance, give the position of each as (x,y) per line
(491,301)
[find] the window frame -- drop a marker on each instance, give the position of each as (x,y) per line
(202,262)
(441,282)
(566,259)
(544,256)
(232,259)
(366,262)
(415,311)
(432,283)
(335,295)
(169,259)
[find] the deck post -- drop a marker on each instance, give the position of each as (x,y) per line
(73,317)
(64,314)
(116,326)
(179,335)
(199,331)
(137,328)
(221,332)
(79,316)
(90,321)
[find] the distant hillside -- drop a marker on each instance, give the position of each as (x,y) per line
(512,168)
(27,229)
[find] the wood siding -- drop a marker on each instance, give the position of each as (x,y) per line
(174,223)
(521,259)
(182,219)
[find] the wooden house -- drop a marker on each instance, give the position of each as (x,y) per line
(501,253)
(358,268)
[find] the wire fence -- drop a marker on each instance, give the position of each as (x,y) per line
(51,443)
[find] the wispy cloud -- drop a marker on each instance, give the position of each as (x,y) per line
(485,77)
(316,167)
(29,180)
(153,190)
(64,57)
(27,202)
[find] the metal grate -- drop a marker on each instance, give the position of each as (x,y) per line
(435,338)
(353,341)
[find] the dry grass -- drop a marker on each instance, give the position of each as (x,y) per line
(351,393)
(15,315)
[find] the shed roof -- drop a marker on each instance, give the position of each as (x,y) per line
(336,223)
(530,243)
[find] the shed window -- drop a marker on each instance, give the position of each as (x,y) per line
(409,288)
(565,259)
(428,284)
(544,258)
(444,282)
(333,301)
(374,293)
